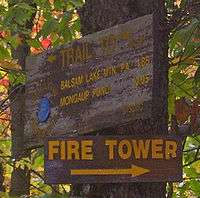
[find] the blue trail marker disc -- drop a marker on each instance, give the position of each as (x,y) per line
(44,110)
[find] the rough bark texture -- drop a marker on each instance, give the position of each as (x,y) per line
(97,15)
(2,188)
(20,178)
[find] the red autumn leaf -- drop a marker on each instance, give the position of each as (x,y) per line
(46,43)
(3,34)
(4,82)
(182,110)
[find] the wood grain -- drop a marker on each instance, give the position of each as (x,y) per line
(124,58)
(161,169)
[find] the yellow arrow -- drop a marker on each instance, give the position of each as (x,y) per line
(134,171)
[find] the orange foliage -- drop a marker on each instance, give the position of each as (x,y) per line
(182,110)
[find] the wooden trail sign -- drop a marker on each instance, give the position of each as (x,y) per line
(112,159)
(103,80)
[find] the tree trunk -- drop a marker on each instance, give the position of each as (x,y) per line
(2,188)
(20,178)
(97,15)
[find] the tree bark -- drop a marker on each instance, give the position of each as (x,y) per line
(97,15)
(2,188)
(20,178)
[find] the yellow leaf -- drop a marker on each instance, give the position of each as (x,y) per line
(10,64)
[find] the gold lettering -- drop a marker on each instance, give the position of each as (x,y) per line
(94,76)
(74,55)
(86,53)
(52,149)
(70,56)
(170,150)
(102,91)
(141,148)
(73,150)
(111,144)
(109,71)
(144,61)
(73,82)
(63,58)
(141,80)
(62,150)
(104,43)
(78,55)
(132,108)
(75,98)
(124,36)
(86,150)
(157,148)
(124,149)
(136,42)
(124,67)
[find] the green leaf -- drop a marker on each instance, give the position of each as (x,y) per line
(182,39)
(4,195)
(76,27)
(77,3)
(4,53)
(55,39)
(195,186)
(34,43)
(50,26)
(2,10)
(16,78)
(39,160)
(59,4)
(67,35)
(64,21)
(43,4)
(13,40)
(190,172)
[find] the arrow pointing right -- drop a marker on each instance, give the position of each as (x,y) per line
(134,171)
(137,170)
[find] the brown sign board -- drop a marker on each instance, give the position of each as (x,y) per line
(112,159)
(100,81)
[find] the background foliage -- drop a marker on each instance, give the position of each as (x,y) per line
(55,22)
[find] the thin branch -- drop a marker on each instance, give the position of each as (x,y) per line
(171,190)
(31,170)
(65,192)
(38,188)
(190,150)
(184,142)
(10,94)
(191,162)
(183,90)
(41,177)
(196,138)
(185,58)
(192,178)
(4,130)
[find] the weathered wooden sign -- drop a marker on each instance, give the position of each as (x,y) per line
(110,159)
(102,80)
